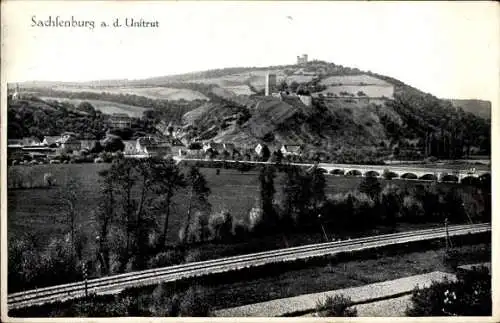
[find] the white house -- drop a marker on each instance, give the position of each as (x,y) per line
(295,150)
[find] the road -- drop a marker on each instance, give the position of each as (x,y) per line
(116,283)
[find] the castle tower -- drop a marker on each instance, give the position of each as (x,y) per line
(302,59)
(270,83)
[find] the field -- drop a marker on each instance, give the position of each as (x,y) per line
(372,91)
(105,106)
(354,80)
(156,93)
(36,210)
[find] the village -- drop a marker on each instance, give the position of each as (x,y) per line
(68,148)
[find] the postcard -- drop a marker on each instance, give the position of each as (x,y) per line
(246,160)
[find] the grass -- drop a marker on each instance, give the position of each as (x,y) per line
(334,275)
(302,277)
(35,211)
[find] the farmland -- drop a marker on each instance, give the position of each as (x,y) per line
(104,106)
(35,210)
(153,92)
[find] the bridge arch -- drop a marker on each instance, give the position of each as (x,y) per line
(337,171)
(409,176)
(469,180)
(389,174)
(485,176)
(429,177)
(372,173)
(353,172)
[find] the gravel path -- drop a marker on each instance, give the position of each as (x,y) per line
(304,303)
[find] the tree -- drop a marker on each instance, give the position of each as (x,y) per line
(167,180)
(267,191)
(69,197)
(297,193)
(265,153)
(318,184)
(302,90)
(283,86)
(370,186)
(113,144)
(106,216)
(198,198)
(293,86)
(86,107)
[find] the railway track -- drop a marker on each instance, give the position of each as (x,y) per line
(116,283)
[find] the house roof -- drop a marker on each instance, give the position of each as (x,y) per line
(51,139)
(117,116)
(69,140)
(292,148)
(216,146)
(147,141)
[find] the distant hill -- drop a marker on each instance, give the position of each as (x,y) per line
(227,105)
(479,108)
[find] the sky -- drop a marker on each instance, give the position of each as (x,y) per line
(448,49)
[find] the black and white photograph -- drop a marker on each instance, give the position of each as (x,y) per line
(226,159)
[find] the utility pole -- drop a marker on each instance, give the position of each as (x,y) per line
(448,241)
(85,276)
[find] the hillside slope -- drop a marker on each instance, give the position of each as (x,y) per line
(479,108)
(396,120)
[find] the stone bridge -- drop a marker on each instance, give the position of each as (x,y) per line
(406,172)
(392,171)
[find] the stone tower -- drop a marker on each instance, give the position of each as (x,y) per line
(270,83)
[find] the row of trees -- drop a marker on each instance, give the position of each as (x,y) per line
(138,197)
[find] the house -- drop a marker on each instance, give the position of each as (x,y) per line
(130,147)
(214,146)
(70,143)
(295,150)
(88,144)
(51,141)
(151,147)
(31,141)
(176,146)
(142,144)
(260,149)
(164,128)
(120,120)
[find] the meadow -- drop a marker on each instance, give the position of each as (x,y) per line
(39,210)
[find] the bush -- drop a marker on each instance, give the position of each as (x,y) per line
(29,268)
(412,209)
(48,179)
(93,307)
(166,258)
(338,305)
(220,225)
(193,303)
(469,296)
